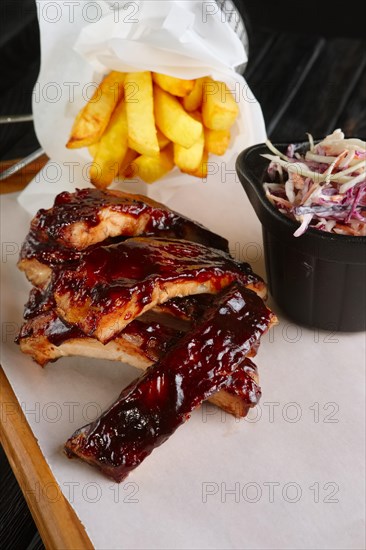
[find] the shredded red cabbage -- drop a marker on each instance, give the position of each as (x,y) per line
(325,188)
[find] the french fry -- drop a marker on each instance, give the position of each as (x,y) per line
(111,150)
(173,121)
(193,100)
(150,169)
(162,140)
(216,141)
(128,158)
(219,109)
(93,119)
(202,170)
(175,86)
(93,149)
(188,159)
(163,121)
(140,113)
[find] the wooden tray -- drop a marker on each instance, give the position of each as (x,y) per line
(56,520)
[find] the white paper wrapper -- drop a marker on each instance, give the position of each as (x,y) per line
(184,39)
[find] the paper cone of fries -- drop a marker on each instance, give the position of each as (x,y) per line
(132,93)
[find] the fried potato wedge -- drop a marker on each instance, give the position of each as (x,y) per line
(219,108)
(150,169)
(162,140)
(175,86)
(188,119)
(216,141)
(93,149)
(202,170)
(140,113)
(111,150)
(173,121)
(93,119)
(188,159)
(193,100)
(129,157)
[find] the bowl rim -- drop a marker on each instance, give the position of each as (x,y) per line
(310,233)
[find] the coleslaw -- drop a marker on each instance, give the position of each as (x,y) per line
(325,188)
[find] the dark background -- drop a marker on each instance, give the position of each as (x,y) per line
(317,47)
(307,68)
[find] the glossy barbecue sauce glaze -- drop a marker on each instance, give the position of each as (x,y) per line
(188,308)
(152,338)
(109,275)
(241,383)
(39,301)
(86,206)
(53,254)
(152,407)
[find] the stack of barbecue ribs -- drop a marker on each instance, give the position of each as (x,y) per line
(121,277)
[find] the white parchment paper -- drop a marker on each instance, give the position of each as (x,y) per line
(289,476)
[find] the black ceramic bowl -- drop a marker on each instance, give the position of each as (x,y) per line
(318,279)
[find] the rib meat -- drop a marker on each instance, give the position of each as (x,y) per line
(189,308)
(38,258)
(89,216)
(114,284)
(152,407)
(47,338)
(82,220)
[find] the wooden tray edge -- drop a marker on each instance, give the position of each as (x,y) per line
(56,520)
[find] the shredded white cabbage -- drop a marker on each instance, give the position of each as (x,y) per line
(276,151)
(326,188)
(311,142)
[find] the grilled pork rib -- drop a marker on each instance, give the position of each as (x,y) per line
(89,216)
(114,284)
(46,338)
(152,407)
(103,262)
(77,221)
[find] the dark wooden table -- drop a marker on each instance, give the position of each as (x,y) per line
(304,84)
